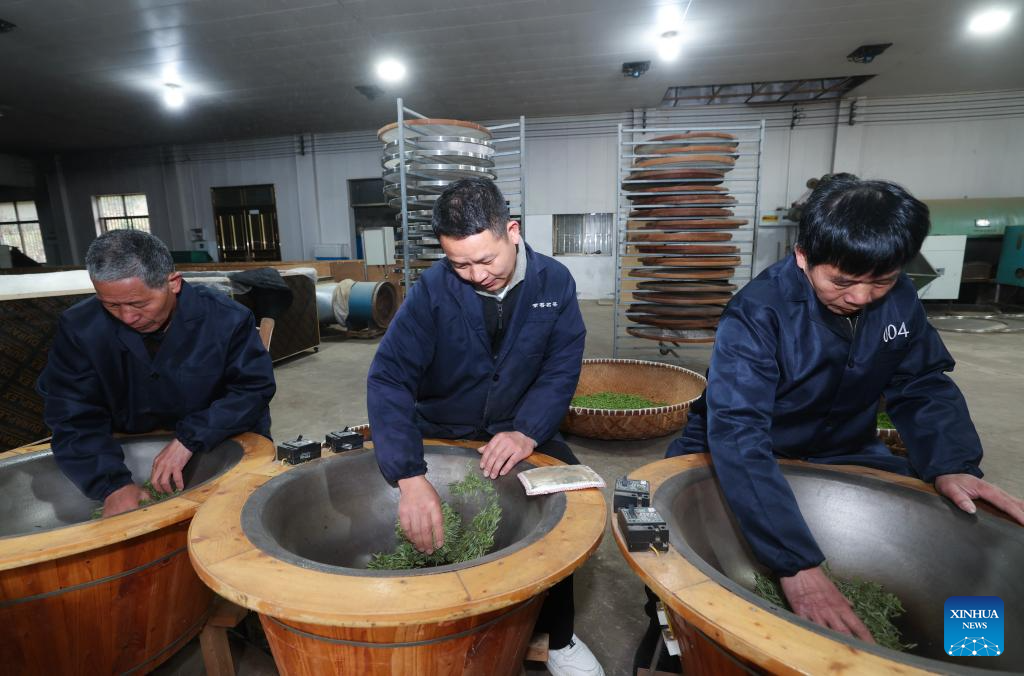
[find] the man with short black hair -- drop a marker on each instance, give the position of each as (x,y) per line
(149,352)
(488,345)
(802,356)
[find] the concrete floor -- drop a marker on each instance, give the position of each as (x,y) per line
(321,392)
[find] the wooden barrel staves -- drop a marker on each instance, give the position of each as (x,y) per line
(115,595)
(293,544)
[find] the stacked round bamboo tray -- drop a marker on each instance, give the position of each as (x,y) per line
(437,152)
(679,234)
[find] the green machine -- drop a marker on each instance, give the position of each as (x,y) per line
(983,217)
(1011,262)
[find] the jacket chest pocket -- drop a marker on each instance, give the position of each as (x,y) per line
(536,332)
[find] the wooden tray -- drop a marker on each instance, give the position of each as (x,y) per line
(682,273)
(676,310)
(692,298)
(717,137)
(680,211)
(723,199)
(719,149)
(687,287)
(692,261)
(435,127)
(672,323)
(672,335)
(675,187)
(709,176)
(706,249)
(682,161)
(695,224)
(678,236)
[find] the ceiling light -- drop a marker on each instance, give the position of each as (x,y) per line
(174,96)
(670,44)
(989,22)
(390,70)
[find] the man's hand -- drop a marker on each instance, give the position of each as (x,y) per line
(419,513)
(812,595)
(503,451)
(167,467)
(124,499)
(963,489)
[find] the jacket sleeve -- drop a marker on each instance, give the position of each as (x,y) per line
(544,405)
(248,386)
(76,413)
(392,384)
(929,410)
(740,400)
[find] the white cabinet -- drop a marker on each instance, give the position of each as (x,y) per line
(945,253)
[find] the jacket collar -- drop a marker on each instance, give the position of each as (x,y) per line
(186,312)
(465,295)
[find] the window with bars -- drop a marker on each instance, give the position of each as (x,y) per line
(121,212)
(583,234)
(19,226)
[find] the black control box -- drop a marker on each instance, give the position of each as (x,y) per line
(631,493)
(298,451)
(643,528)
(344,440)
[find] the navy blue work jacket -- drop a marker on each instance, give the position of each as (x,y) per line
(210,379)
(785,381)
(434,374)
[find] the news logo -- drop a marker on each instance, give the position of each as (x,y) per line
(973,626)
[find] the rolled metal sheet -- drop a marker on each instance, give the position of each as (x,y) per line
(460,144)
(416,189)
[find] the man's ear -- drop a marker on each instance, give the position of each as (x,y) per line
(513,232)
(801,259)
(174,282)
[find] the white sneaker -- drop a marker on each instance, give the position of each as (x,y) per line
(574,659)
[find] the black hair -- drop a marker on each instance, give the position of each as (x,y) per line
(862,227)
(123,254)
(468,207)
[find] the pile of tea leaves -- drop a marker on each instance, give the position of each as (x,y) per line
(884,422)
(154,496)
(462,541)
(614,400)
(875,607)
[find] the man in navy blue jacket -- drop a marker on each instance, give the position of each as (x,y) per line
(149,352)
(803,354)
(488,345)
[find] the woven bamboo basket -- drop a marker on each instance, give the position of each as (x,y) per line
(652,380)
(893,440)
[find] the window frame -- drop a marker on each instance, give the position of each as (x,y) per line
(21,230)
(101,221)
(604,232)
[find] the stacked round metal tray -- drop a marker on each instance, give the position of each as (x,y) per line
(436,152)
(679,230)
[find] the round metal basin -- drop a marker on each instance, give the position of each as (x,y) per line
(35,496)
(331,514)
(916,544)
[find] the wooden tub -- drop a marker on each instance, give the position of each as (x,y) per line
(871,525)
(114,595)
(675,386)
(293,548)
